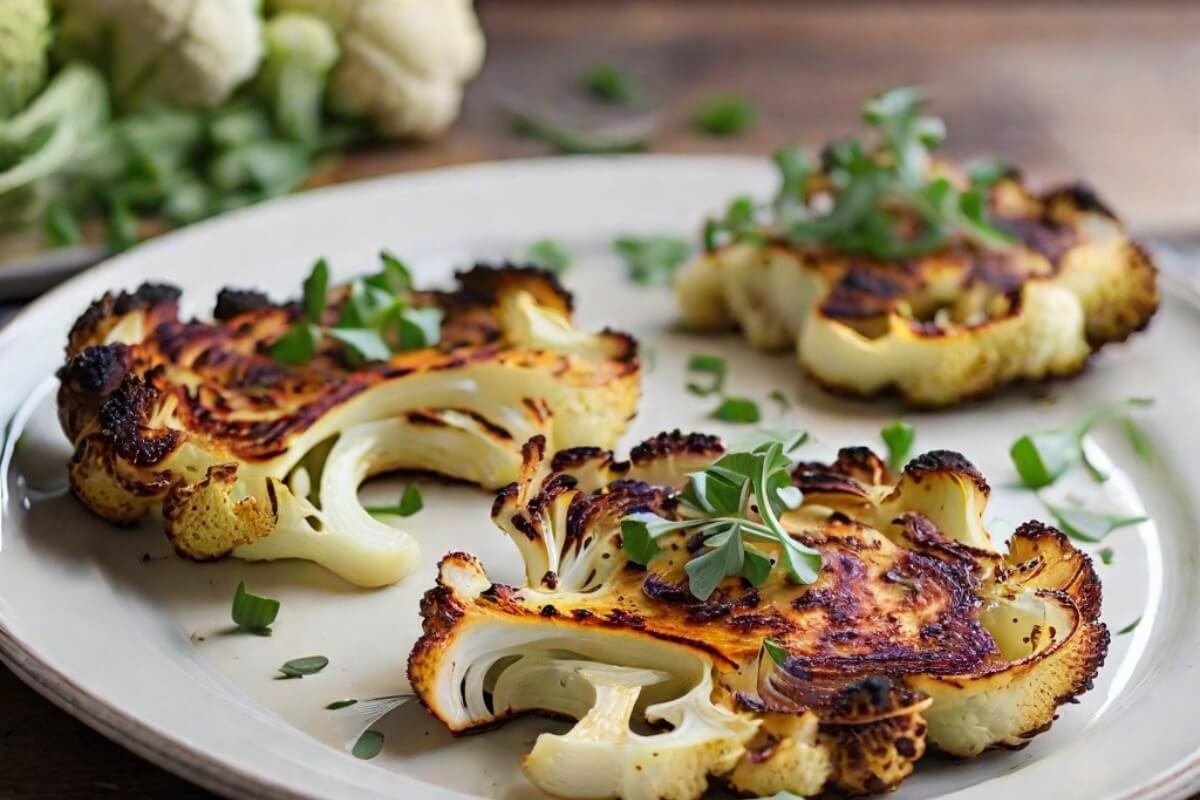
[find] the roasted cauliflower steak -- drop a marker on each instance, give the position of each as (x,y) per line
(263,460)
(955,323)
(917,633)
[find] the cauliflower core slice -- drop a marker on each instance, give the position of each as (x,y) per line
(946,326)
(262,460)
(918,631)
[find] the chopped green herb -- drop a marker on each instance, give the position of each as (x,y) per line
(1130,627)
(297,345)
(652,260)
(253,614)
(737,499)
(1090,526)
(1106,556)
(364,343)
(316,288)
(610,85)
(549,254)
(713,366)
(395,276)
(776,651)
(899,438)
(1040,458)
(299,667)
(60,226)
(368,745)
(727,115)
(336,704)
(781,400)
(410,503)
(737,409)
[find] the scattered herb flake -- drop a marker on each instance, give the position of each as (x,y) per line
(781,400)
(549,254)
(715,367)
(336,704)
(1040,458)
(410,503)
(1130,627)
(611,85)
(776,651)
(297,345)
(737,409)
(1090,526)
(299,667)
(1106,556)
(726,115)
(253,614)
(368,745)
(652,260)
(898,437)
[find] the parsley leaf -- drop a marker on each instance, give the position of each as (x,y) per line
(253,614)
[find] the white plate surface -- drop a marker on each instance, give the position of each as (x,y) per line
(132,646)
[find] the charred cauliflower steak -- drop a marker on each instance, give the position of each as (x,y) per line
(263,460)
(886,270)
(917,631)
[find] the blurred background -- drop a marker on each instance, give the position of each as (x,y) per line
(107,138)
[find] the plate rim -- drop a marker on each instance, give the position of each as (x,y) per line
(194,763)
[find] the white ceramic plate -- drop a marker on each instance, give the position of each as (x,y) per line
(116,639)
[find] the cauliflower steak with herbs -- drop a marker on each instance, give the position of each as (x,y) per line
(259,458)
(915,631)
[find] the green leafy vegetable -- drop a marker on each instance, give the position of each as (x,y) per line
(1040,458)
(652,260)
(253,614)
(737,409)
(336,704)
(610,85)
(368,745)
(898,437)
(299,667)
(1090,526)
(734,501)
(549,254)
(727,115)
(713,366)
(1130,627)
(410,503)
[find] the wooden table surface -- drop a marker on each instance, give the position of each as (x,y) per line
(1097,90)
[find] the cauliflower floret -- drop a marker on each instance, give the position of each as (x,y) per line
(404,62)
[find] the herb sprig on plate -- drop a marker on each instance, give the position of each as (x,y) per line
(1041,458)
(732,504)
(877,196)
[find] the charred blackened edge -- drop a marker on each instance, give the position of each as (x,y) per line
(675,443)
(124,419)
(921,535)
(143,298)
(233,302)
(854,469)
(871,699)
(1081,196)
(945,462)
(96,372)
(1085,587)
(625,349)
(482,284)
(614,501)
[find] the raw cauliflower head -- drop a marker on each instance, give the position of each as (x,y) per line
(917,632)
(959,322)
(263,460)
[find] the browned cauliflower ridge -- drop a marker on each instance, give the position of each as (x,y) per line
(917,633)
(250,456)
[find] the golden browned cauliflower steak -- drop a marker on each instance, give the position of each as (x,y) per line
(956,323)
(264,460)
(918,632)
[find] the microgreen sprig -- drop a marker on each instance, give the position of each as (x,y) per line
(735,501)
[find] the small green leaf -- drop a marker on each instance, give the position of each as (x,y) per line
(985,173)
(737,409)
(610,85)
(549,254)
(1106,556)
(652,260)
(636,541)
(898,437)
(776,651)
(297,345)
(781,400)
(417,328)
(727,115)
(714,366)
(252,613)
(1138,440)
(336,704)
(316,287)
(1040,458)
(410,503)
(1130,627)
(1090,526)
(395,276)
(60,225)
(364,343)
(706,571)
(299,667)
(368,745)
(757,567)
(794,171)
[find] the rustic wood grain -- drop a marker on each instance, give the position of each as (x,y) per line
(1103,91)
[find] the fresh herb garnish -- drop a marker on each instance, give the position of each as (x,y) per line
(1130,627)
(409,504)
(374,321)
(652,260)
(368,745)
(780,399)
(737,409)
(1090,526)
(713,366)
(299,667)
(549,254)
(898,437)
(776,652)
(727,115)
(1040,458)
(881,197)
(336,704)
(1106,556)
(610,85)
(736,500)
(253,614)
